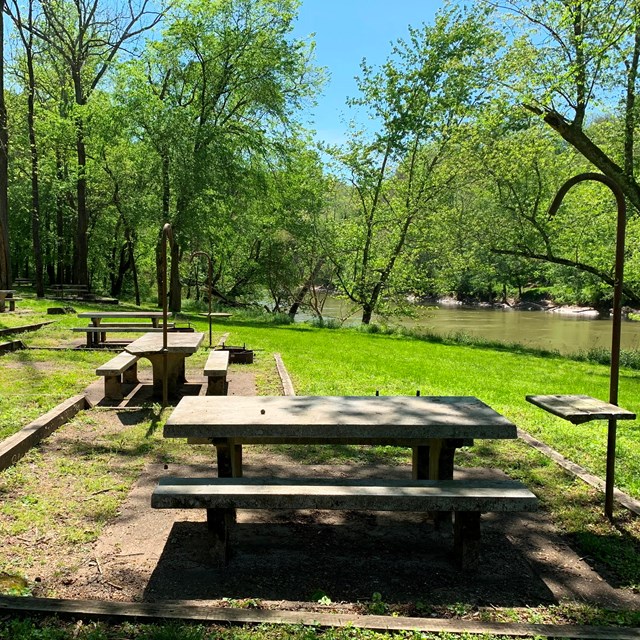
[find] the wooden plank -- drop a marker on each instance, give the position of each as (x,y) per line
(176,610)
(26,327)
(222,341)
(343,494)
(13,345)
(15,446)
(354,419)
(580,408)
(287,385)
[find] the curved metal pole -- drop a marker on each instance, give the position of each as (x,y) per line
(210,278)
(167,235)
(616,320)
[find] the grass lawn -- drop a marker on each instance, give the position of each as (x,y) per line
(352,362)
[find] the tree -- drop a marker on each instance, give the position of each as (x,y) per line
(24,26)
(420,100)
(572,60)
(225,82)
(88,37)
(5,255)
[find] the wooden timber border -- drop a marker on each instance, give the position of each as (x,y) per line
(24,328)
(17,445)
(13,345)
(287,385)
(153,612)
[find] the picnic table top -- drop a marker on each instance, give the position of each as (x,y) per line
(120,314)
(151,343)
(7,292)
(217,314)
(580,408)
(336,418)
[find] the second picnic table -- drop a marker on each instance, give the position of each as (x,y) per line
(94,336)
(179,347)
(6,295)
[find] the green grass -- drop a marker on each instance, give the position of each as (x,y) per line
(352,362)
(55,630)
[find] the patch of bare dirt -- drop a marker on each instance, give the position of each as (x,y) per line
(289,560)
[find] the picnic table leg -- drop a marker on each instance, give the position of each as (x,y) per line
(466,538)
(175,372)
(219,521)
(2,305)
(435,462)
(96,338)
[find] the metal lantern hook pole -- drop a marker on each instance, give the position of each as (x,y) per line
(210,278)
(616,320)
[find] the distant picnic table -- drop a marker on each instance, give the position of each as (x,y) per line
(97,330)
(6,296)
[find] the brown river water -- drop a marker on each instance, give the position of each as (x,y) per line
(566,333)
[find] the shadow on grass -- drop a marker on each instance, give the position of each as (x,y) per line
(612,550)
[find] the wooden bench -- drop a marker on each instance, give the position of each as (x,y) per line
(467,499)
(123,368)
(216,372)
(90,330)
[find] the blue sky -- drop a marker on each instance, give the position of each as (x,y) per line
(345,32)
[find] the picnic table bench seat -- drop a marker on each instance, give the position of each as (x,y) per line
(467,499)
(215,371)
(130,328)
(122,368)
(100,332)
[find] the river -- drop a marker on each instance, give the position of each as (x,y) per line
(542,329)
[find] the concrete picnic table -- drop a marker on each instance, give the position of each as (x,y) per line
(432,426)
(6,294)
(96,318)
(179,347)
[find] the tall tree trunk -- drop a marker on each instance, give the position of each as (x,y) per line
(82,240)
(35,187)
(166,204)
(304,289)
(367,313)
(5,254)
(175,294)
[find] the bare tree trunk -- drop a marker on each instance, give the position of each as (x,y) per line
(82,240)
(175,294)
(35,187)
(5,254)
(304,289)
